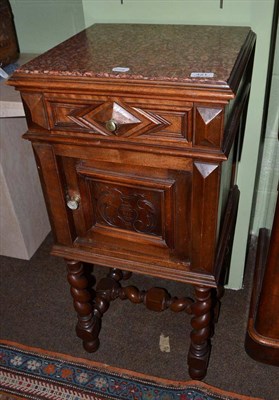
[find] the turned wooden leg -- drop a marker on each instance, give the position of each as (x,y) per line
(106,291)
(199,351)
(88,325)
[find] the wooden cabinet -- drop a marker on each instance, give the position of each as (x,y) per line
(136,131)
(262,337)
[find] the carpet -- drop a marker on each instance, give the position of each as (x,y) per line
(32,373)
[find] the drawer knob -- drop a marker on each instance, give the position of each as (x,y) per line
(111,125)
(73,202)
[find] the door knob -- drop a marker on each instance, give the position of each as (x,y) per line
(111,125)
(73,202)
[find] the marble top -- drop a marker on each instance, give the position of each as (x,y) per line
(150,52)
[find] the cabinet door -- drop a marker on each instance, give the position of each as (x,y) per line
(159,219)
(128,211)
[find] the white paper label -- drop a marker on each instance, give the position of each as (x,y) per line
(202,75)
(164,343)
(121,69)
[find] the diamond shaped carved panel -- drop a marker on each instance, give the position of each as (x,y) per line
(208,129)
(35,109)
(117,119)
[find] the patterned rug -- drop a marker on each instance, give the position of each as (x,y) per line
(31,373)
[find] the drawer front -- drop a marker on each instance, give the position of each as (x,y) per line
(122,119)
(125,211)
(144,121)
(113,118)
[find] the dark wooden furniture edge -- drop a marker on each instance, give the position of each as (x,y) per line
(25,82)
(111,144)
(257,346)
(226,236)
(241,62)
(132,266)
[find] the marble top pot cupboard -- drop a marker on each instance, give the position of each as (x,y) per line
(137,131)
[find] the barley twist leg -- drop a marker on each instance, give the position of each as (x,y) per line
(88,325)
(199,351)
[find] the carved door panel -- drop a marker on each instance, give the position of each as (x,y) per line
(126,209)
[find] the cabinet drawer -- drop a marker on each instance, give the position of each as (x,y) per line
(143,121)
(111,118)
(120,119)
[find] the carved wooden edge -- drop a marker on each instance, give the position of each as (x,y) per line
(226,236)
(257,346)
(102,86)
(124,145)
(135,265)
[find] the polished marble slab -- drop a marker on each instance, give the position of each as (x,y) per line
(176,53)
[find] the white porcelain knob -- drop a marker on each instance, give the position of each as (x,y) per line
(73,202)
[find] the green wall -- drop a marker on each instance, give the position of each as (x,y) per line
(40,24)
(266,191)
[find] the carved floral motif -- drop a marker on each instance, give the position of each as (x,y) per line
(129,211)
